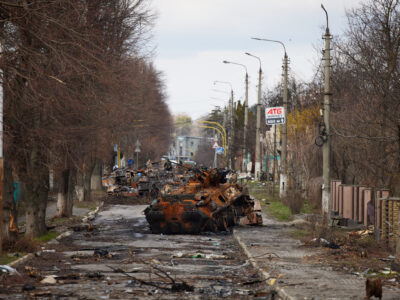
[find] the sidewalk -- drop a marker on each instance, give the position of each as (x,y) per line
(51,211)
(281,260)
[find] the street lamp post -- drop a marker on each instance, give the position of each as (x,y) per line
(326,148)
(283,173)
(230,112)
(257,167)
(246,105)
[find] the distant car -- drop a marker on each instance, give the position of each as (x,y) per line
(189,162)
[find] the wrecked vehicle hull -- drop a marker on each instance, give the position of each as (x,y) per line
(205,203)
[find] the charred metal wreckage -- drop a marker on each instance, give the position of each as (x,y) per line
(206,203)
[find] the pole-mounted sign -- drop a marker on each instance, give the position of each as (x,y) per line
(275,115)
(137,149)
(220,150)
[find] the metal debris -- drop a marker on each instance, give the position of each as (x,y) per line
(206,203)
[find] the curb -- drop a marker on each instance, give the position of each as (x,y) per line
(280,291)
(21,260)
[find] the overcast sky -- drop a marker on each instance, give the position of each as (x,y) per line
(193,37)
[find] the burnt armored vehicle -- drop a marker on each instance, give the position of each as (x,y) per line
(206,203)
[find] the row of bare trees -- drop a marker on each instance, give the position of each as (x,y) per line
(75,81)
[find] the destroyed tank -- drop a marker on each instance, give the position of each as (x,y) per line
(206,203)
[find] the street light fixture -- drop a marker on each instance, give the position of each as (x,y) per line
(220,91)
(268,40)
(223,82)
(283,174)
(246,104)
(217,99)
(257,167)
(230,133)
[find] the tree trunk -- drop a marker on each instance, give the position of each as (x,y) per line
(36,202)
(71,191)
(87,193)
(9,206)
(79,186)
(396,263)
(43,197)
(95,183)
(87,177)
(36,189)
(65,196)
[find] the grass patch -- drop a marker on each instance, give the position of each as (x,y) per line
(88,205)
(279,210)
(307,208)
(276,207)
(47,237)
(62,220)
(300,233)
(6,258)
(260,191)
(58,220)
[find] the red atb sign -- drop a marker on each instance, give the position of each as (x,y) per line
(275,115)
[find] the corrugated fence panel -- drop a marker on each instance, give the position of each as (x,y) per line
(348,195)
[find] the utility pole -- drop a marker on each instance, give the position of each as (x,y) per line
(244,166)
(224,124)
(1,167)
(257,165)
(326,148)
(246,113)
(229,120)
(119,155)
(137,150)
(262,152)
(231,133)
(274,164)
(257,168)
(283,174)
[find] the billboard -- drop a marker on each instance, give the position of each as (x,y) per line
(275,115)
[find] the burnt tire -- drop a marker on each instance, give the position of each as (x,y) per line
(155,216)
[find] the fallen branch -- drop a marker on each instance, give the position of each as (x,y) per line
(269,253)
(139,280)
(175,286)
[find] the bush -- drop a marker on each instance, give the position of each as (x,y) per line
(314,192)
(22,245)
(294,200)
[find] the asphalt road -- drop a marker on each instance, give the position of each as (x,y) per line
(121,259)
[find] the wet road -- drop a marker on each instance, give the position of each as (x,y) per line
(121,259)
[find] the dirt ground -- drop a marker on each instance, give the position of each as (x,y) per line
(118,258)
(353,251)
